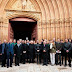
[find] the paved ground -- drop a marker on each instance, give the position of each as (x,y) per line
(36,68)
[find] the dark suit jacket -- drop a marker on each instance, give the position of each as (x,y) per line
(4,49)
(45,48)
(17,50)
(10,48)
(31,51)
(24,48)
(67,46)
(37,47)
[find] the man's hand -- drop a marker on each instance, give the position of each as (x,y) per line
(14,54)
(24,51)
(0,54)
(58,51)
(44,51)
(37,50)
(67,51)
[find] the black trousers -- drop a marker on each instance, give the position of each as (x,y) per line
(10,56)
(31,60)
(69,58)
(45,59)
(3,59)
(58,54)
(17,60)
(20,58)
(38,58)
(24,57)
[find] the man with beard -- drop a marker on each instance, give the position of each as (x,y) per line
(4,53)
(38,52)
(31,52)
(17,52)
(67,50)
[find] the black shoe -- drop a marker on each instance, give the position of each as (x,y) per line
(56,63)
(23,62)
(60,64)
(69,65)
(2,66)
(65,65)
(15,65)
(11,66)
(18,65)
(46,65)
(7,66)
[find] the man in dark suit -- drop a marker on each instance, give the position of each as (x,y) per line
(62,51)
(58,52)
(67,50)
(38,51)
(21,48)
(4,52)
(45,53)
(24,52)
(17,53)
(10,53)
(31,52)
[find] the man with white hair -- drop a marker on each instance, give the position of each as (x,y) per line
(17,52)
(45,53)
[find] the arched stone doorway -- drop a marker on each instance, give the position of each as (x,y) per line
(22,28)
(12,14)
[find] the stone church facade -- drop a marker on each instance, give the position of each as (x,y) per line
(52,18)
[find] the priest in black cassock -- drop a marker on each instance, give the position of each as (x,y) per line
(31,52)
(24,52)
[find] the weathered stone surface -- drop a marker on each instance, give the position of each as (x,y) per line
(36,68)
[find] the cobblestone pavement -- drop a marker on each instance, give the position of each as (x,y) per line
(36,68)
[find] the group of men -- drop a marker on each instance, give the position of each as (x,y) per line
(26,51)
